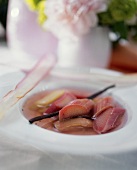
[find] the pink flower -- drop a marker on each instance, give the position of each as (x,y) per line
(72,17)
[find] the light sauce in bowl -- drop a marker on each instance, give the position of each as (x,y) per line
(103,115)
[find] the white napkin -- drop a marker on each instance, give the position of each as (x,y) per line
(17,156)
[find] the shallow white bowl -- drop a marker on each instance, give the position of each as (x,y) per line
(123,140)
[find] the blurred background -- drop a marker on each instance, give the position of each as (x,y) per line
(123,58)
(3,18)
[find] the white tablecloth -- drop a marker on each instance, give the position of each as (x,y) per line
(15,155)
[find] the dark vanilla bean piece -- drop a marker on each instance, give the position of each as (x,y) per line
(56,113)
(100,92)
(43,117)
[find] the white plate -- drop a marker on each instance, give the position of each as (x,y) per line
(123,140)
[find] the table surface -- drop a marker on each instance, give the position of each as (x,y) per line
(124,58)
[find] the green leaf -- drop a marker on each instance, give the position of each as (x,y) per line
(120,29)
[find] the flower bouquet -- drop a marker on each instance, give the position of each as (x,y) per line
(74,18)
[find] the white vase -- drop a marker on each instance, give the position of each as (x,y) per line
(28,40)
(92,49)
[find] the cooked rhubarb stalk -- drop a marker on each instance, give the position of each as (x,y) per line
(75,122)
(90,97)
(38,109)
(108,119)
(47,122)
(75,108)
(40,70)
(51,97)
(103,104)
(65,99)
(101,78)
